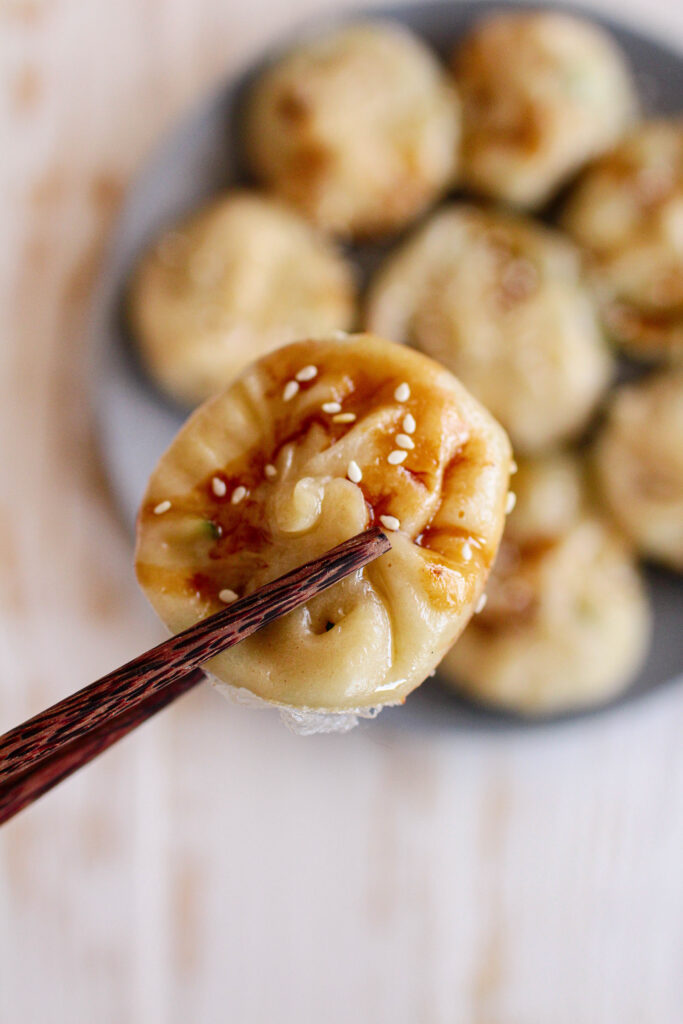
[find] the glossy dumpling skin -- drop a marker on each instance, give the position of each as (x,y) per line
(566,624)
(374,637)
(501,301)
(542,94)
(627,212)
(639,463)
(358,128)
(231,282)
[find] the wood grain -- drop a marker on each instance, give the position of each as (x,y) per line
(214,867)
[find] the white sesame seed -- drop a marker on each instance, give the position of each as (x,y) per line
(354,472)
(481,603)
(290,389)
(390,522)
(344,417)
(466,551)
(402,392)
(340,335)
(238,495)
(331,407)
(431,674)
(162,507)
(270,471)
(396,457)
(307,373)
(403,441)
(513,468)
(510,502)
(219,487)
(409,423)
(227,596)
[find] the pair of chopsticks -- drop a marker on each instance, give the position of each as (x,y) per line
(38,754)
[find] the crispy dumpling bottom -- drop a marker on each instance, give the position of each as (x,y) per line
(312,444)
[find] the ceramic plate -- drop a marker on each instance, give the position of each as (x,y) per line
(201,156)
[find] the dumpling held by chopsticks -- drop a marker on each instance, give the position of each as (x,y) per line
(313,443)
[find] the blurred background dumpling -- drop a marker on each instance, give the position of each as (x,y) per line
(542,93)
(237,279)
(311,445)
(639,461)
(627,211)
(566,623)
(358,128)
(500,301)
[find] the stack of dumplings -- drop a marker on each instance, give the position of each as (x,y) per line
(531,230)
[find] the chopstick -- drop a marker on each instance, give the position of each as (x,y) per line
(45,749)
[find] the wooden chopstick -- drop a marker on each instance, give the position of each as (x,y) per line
(39,753)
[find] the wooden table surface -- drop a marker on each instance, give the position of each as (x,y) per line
(214,867)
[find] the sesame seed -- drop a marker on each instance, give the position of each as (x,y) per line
(270,471)
(402,392)
(409,423)
(396,457)
(331,407)
(219,487)
(481,603)
(340,335)
(290,389)
(344,417)
(354,472)
(513,468)
(227,596)
(510,502)
(403,441)
(162,507)
(466,551)
(238,495)
(307,373)
(390,522)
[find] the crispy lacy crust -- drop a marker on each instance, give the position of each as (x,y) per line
(566,623)
(239,278)
(375,636)
(627,212)
(639,462)
(359,129)
(502,303)
(542,94)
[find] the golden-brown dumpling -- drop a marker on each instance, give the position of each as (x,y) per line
(502,303)
(311,445)
(627,211)
(358,128)
(639,461)
(566,622)
(542,93)
(235,280)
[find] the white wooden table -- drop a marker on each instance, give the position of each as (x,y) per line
(214,867)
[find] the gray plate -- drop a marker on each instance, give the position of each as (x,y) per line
(201,156)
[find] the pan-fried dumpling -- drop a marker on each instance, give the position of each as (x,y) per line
(627,211)
(500,301)
(311,445)
(639,461)
(358,128)
(239,278)
(566,623)
(542,94)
